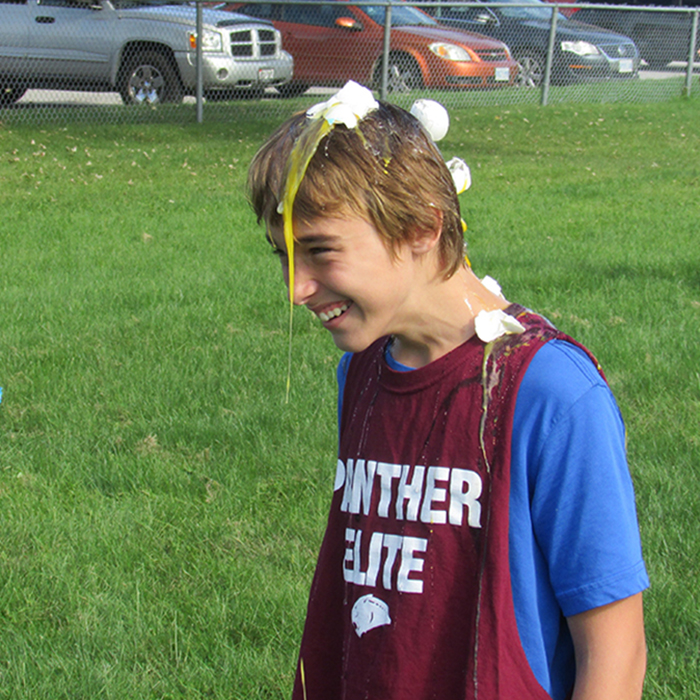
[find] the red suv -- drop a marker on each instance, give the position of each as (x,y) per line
(332,43)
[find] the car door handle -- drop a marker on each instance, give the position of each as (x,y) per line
(45,20)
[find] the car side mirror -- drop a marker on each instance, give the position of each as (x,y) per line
(348,23)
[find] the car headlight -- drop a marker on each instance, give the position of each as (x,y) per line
(211,41)
(580,48)
(450,52)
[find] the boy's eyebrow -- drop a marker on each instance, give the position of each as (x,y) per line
(309,239)
(315,238)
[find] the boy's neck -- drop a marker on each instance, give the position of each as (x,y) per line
(444,318)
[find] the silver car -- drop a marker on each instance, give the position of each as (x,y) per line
(144,49)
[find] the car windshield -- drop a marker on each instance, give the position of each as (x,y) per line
(535,9)
(401,15)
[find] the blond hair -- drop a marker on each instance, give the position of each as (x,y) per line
(387,171)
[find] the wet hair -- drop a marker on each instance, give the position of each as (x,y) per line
(387,171)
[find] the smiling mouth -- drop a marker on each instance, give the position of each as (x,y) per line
(333,312)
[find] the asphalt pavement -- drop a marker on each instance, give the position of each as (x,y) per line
(72,98)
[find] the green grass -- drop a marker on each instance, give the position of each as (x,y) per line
(161,505)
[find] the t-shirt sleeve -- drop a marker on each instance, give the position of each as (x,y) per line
(570,433)
(341,375)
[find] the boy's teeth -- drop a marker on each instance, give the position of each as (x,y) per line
(328,315)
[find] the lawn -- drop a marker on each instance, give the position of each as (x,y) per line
(161,504)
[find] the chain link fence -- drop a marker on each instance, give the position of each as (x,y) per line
(138,60)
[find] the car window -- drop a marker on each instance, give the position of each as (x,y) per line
(127,4)
(401,15)
(314,14)
(535,9)
(263,11)
(477,15)
(13,2)
(82,4)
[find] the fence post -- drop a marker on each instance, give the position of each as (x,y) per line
(550,54)
(198,55)
(385,53)
(691,53)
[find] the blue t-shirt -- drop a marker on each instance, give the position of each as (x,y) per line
(574,538)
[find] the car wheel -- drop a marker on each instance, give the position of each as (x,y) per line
(656,63)
(149,78)
(652,52)
(9,94)
(654,60)
(293,89)
(403,74)
(530,68)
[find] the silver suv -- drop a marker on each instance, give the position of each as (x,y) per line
(144,49)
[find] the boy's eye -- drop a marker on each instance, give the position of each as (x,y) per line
(319,251)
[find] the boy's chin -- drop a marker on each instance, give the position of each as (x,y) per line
(354,344)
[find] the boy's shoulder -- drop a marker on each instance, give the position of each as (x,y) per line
(561,372)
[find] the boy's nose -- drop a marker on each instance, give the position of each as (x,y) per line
(305,285)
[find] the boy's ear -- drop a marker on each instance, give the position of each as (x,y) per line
(425,239)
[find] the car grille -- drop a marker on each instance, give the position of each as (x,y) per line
(618,50)
(492,55)
(254,43)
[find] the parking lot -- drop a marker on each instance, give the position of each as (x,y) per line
(77,98)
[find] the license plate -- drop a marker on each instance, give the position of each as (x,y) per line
(502,74)
(265,74)
(626,65)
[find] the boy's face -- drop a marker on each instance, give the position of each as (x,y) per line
(344,273)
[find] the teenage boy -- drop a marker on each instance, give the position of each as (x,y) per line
(482,541)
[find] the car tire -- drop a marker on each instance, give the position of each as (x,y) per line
(658,64)
(651,51)
(293,89)
(654,60)
(531,65)
(148,77)
(9,94)
(403,74)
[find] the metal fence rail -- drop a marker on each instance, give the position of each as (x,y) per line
(134,60)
